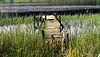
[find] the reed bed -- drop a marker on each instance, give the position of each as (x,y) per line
(77,23)
(80,17)
(22,43)
(7,19)
(84,30)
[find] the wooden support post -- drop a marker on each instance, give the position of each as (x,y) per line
(45,16)
(67,41)
(44,20)
(34,18)
(44,43)
(60,20)
(37,22)
(43,31)
(34,22)
(40,16)
(43,34)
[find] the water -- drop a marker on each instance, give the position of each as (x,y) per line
(55,2)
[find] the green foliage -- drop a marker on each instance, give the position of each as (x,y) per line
(13,20)
(28,45)
(20,44)
(80,17)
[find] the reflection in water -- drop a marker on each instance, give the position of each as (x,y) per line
(56,2)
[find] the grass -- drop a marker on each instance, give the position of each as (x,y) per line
(80,17)
(89,19)
(85,45)
(20,44)
(5,19)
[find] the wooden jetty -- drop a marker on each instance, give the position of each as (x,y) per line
(52,27)
(51,31)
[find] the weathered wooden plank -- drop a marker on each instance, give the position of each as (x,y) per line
(52,28)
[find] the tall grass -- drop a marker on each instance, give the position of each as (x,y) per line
(6,19)
(29,45)
(22,44)
(80,17)
(87,45)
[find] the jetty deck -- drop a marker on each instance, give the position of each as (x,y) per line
(52,27)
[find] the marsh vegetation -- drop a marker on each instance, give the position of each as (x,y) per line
(17,37)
